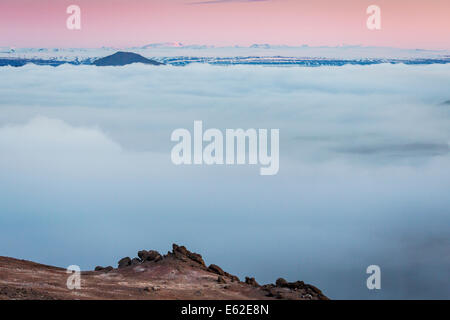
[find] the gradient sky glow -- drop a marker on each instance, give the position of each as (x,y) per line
(123,23)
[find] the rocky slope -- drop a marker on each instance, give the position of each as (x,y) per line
(180,274)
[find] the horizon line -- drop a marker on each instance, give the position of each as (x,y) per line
(235,46)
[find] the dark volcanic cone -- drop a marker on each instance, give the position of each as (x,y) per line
(123,58)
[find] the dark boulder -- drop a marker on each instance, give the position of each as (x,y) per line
(251,281)
(216,269)
(107,269)
(282,283)
(143,254)
(150,255)
(124,262)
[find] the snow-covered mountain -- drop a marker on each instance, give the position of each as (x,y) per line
(163,45)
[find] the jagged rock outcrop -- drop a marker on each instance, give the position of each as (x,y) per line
(182,253)
(251,281)
(178,252)
(216,269)
(282,289)
(143,256)
(181,274)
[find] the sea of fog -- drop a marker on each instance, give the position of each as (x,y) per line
(86,176)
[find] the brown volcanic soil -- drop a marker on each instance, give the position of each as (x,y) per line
(180,274)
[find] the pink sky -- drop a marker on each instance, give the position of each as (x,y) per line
(121,23)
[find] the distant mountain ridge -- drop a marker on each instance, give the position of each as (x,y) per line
(179,55)
(163,45)
(258,53)
(123,58)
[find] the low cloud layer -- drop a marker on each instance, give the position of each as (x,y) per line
(364,171)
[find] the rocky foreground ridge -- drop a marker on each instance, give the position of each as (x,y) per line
(180,274)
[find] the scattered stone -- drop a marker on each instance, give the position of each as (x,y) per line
(135,261)
(151,289)
(124,262)
(100,268)
(23,294)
